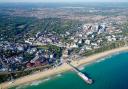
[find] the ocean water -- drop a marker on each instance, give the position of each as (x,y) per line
(111,73)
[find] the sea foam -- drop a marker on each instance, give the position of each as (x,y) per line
(107,57)
(22,86)
(100,60)
(58,75)
(35,83)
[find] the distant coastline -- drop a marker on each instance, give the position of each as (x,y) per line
(60,69)
(60,4)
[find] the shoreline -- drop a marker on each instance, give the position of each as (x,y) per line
(63,68)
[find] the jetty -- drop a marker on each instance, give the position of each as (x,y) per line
(81,75)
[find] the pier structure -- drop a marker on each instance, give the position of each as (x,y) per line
(81,75)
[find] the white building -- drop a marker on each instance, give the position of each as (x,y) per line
(87,42)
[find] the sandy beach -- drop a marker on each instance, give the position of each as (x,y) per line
(60,69)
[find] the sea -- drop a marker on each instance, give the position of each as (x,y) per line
(110,72)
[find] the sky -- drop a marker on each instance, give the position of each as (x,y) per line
(63,0)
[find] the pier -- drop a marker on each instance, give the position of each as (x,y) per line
(81,75)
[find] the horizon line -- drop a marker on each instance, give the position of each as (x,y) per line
(69,2)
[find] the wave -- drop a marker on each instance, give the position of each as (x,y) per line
(35,83)
(19,87)
(107,57)
(100,60)
(39,82)
(46,79)
(22,86)
(58,75)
